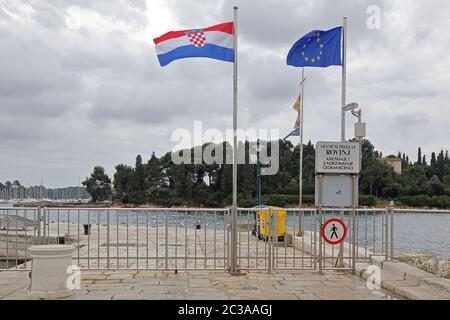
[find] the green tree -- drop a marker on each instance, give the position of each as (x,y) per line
(154,180)
(433,163)
(379,179)
(122,182)
(98,185)
(436,186)
(414,181)
(137,183)
(440,165)
(162,182)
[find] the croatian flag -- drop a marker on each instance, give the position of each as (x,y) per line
(215,42)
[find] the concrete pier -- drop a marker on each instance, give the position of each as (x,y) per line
(137,250)
(204,285)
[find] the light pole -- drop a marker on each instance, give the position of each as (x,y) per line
(258,175)
(360,133)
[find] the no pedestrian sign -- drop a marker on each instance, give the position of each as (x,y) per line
(334,231)
(338,157)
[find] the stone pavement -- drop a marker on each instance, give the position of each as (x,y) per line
(204,285)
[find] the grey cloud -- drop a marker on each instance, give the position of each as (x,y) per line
(78,98)
(411,119)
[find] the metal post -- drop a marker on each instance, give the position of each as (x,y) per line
(386,234)
(258,189)
(340,258)
(167,242)
(391,212)
(300,178)
(233,269)
(39,221)
(354,239)
(258,174)
(269,242)
(301,114)
(107,239)
(344,77)
(320,221)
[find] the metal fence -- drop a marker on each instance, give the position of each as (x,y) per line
(194,239)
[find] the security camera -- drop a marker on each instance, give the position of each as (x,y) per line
(351,107)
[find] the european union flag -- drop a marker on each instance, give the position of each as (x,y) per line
(317,49)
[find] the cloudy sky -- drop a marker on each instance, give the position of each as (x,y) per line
(80,83)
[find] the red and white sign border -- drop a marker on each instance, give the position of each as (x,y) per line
(342,223)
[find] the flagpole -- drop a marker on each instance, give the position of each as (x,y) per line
(300,174)
(233,268)
(340,259)
(301,114)
(344,77)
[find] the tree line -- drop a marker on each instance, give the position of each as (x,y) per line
(161,182)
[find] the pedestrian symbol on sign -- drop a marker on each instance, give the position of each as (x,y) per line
(334,231)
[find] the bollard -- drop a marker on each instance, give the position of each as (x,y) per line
(61,240)
(49,267)
(87,229)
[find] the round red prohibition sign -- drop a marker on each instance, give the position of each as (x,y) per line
(334,231)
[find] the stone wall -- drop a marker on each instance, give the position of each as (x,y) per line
(429,262)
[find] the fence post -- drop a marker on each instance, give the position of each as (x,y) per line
(353,219)
(320,222)
(107,238)
(354,239)
(167,243)
(268,241)
(386,234)
(39,221)
(391,212)
(274,239)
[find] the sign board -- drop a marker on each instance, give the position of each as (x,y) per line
(336,191)
(334,231)
(338,157)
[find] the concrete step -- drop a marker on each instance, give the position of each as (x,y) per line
(422,293)
(440,283)
(377,260)
(387,277)
(410,282)
(360,268)
(410,273)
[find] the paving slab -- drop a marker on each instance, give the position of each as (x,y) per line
(307,296)
(422,293)
(204,286)
(441,283)
(409,272)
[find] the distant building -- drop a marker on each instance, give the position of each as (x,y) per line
(395,163)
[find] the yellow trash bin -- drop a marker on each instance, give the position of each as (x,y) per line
(279,222)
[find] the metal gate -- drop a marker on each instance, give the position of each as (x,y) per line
(370,233)
(264,244)
(298,243)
